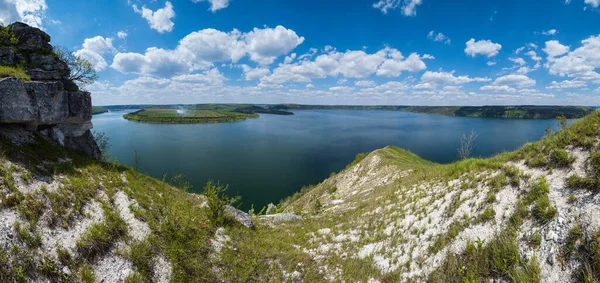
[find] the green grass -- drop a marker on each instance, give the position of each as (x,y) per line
(188,116)
(14,71)
(100,237)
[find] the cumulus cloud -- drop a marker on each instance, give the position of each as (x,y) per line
(443,78)
(215,5)
(497,89)
(567,84)
(408,7)
(31,12)
(93,50)
(265,45)
(365,83)
(554,48)
(200,49)
(387,62)
(482,47)
(254,73)
(439,37)
(514,80)
(533,56)
(159,20)
(518,61)
(580,63)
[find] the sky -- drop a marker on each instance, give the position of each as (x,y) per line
(370,52)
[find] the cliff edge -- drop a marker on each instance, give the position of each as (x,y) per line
(45,101)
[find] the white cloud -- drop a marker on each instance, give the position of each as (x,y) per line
(215,5)
(533,56)
(580,63)
(93,50)
(254,73)
(365,83)
(516,80)
(497,89)
(387,62)
(31,12)
(518,61)
(519,50)
(409,7)
(200,49)
(593,3)
(483,47)
(444,78)
(567,84)
(491,63)
(439,37)
(122,34)
(554,48)
(159,20)
(549,32)
(341,89)
(265,45)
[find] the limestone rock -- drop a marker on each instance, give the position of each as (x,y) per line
(50,64)
(80,107)
(282,217)
(51,101)
(41,75)
(30,38)
(16,105)
(240,216)
(7,56)
(84,143)
(74,130)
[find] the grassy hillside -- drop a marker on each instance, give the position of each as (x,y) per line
(186,116)
(390,216)
(98,110)
(508,112)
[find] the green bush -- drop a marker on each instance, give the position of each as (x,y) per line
(559,158)
(7,36)
(217,201)
(100,237)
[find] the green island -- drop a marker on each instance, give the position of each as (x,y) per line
(98,110)
(186,116)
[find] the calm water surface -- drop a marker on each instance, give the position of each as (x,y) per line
(269,158)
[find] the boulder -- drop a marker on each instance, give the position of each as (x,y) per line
(51,101)
(80,107)
(16,105)
(84,143)
(7,56)
(50,64)
(240,216)
(31,38)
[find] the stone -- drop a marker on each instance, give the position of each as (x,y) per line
(66,271)
(240,216)
(74,130)
(51,101)
(84,143)
(50,63)
(282,217)
(30,38)
(16,105)
(80,107)
(7,56)
(41,75)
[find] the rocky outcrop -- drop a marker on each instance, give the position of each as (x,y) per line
(50,104)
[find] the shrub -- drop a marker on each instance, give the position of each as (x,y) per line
(217,201)
(559,158)
(7,36)
(100,237)
(142,255)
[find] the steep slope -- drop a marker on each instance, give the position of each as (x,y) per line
(524,216)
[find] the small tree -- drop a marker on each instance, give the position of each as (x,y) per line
(466,144)
(562,122)
(217,201)
(82,70)
(137,161)
(103,142)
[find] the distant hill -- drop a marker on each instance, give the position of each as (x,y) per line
(508,112)
(98,110)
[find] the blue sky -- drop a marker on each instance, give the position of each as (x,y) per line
(401,52)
